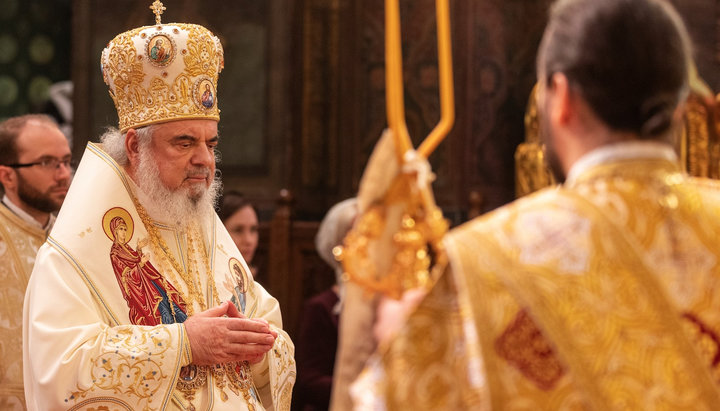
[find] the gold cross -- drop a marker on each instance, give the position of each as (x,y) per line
(157,8)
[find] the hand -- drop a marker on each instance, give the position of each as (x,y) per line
(255,359)
(392,313)
(222,334)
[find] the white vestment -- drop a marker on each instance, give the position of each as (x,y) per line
(81,348)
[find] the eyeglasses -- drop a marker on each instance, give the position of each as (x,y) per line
(46,163)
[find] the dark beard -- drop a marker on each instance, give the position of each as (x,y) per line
(34,198)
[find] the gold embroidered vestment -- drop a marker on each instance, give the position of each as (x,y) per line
(19,242)
(603,294)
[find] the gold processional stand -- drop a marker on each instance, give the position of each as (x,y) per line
(404,215)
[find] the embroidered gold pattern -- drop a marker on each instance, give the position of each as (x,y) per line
(619,318)
(19,243)
(237,377)
(418,243)
(190,276)
(132,365)
(159,88)
(706,340)
(427,356)
(635,328)
(523,345)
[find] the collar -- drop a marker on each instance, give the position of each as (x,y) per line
(27,217)
(630,150)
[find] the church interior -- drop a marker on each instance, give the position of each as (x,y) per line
(302,96)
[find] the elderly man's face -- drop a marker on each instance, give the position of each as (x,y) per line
(184,152)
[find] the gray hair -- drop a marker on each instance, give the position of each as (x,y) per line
(113,142)
(333,229)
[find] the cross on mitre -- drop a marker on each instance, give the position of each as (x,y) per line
(157,8)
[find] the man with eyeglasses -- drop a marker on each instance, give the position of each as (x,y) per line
(35,174)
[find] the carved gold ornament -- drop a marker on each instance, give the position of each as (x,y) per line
(163,73)
(396,243)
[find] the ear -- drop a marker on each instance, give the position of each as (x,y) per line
(8,178)
(132,147)
(561,108)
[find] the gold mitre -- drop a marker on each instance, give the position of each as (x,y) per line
(163,73)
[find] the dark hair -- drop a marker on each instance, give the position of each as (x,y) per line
(11,128)
(231,202)
(629,59)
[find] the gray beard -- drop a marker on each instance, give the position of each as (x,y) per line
(177,207)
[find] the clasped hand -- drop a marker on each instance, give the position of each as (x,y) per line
(223,334)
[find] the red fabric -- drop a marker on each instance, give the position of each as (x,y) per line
(316,349)
(115,222)
(136,283)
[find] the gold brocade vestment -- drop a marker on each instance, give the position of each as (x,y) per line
(19,242)
(603,294)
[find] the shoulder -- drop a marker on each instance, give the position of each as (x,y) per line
(550,202)
(542,226)
(706,186)
(16,226)
(708,191)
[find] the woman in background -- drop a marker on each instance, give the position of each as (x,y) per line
(317,342)
(240,219)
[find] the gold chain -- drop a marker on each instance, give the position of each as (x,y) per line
(195,233)
(191,276)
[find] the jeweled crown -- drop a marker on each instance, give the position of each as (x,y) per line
(163,73)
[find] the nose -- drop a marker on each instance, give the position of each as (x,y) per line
(203,156)
(63,171)
(246,238)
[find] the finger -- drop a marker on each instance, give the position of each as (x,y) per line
(260,320)
(244,324)
(255,358)
(218,311)
(245,337)
(248,350)
(233,312)
(264,321)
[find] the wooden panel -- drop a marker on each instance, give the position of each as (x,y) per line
(295,270)
(702,18)
(323,104)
